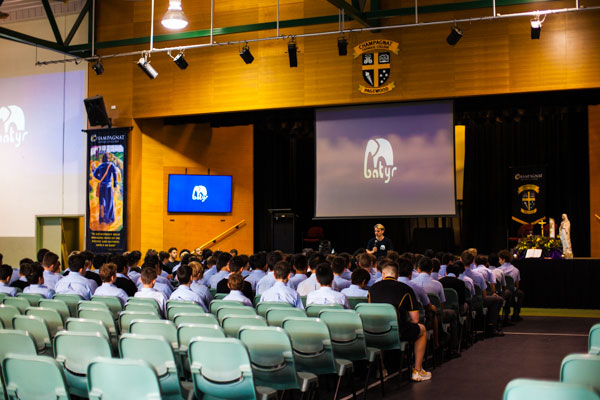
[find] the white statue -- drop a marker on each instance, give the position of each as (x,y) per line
(565,236)
(552,228)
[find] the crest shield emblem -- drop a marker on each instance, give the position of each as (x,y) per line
(376,68)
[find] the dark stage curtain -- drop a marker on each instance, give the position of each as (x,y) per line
(502,136)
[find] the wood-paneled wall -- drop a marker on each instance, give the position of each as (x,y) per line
(594,140)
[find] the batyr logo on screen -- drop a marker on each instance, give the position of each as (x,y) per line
(200,193)
(12,125)
(380,153)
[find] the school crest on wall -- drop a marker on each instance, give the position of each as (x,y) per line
(376,65)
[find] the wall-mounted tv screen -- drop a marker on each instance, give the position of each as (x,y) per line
(199,193)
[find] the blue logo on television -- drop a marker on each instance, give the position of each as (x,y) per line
(199,186)
(199,193)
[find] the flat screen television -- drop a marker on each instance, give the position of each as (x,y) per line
(199,193)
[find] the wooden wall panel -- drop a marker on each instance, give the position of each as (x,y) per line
(594,141)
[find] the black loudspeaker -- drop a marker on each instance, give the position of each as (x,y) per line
(283,225)
(94,106)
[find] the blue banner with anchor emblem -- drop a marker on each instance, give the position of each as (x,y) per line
(528,194)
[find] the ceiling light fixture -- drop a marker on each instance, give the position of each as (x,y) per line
(179,59)
(292,53)
(454,36)
(174,17)
(246,55)
(342,46)
(536,27)
(98,67)
(144,64)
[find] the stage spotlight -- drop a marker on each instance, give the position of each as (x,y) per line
(98,67)
(144,64)
(246,55)
(174,17)
(292,53)
(536,27)
(454,36)
(342,46)
(180,60)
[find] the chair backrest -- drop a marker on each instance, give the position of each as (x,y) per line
(87,325)
(263,307)
(227,311)
(37,328)
(57,305)
(594,340)
(32,298)
(101,315)
(583,369)
(311,344)
(215,305)
(161,328)
(353,301)
(232,323)
(347,334)
(51,316)
(186,332)
(190,303)
(113,303)
(256,299)
(19,303)
(72,301)
(21,370)
(380,324)
(122,379)
(452,300)
(142,307)
(271,357)
(510,283)
(221,368)
(92,305)
(75,350)
(220,296)
(143,300)
(126,317)
(527,389)
(19,342)
(174,309)
(275,316)
(313,310)
(204,318)
(7,312)
(435,300)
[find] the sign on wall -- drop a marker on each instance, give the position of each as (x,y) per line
(376,65)
(528,194)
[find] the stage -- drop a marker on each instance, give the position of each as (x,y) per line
(571,283)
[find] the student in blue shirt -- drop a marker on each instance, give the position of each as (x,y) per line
(280,291)
(197,286)
(326,295)
(300,264)
(5,275)
(184,292)
(338,266)
(360,278)
(35,277)
(108,275)
(258,262)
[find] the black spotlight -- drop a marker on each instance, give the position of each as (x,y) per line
(144,64)
(246,55)
(342,46)
(454,36)
(292,53)
(536,28)
(180,61)
(98,67)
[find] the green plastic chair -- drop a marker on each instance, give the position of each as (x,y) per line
(380,324)
(276,315)
(71,300)
(113,303)
(104,316)
(19,342)
(256,299)
(87,325)
(20,371)
(3,296)
(527,389)
(227,311)
(185,334)
(353,301)
(583,369)
(313,310)
(122,379)
(144,300)
(38,329)
(163,328)
(57,305)
(221,370)
(263,307)
(220,296)
(181,303)
(92,305)
(176,309)
(215,305)
(7,312)
(313,352)
(272,359)
(20,303)
(204,318)
(593,340)
(32,298)
(74,351)
(126,317)
(232,323)
(141,307)
(158,352)
(51,316)
(453,304)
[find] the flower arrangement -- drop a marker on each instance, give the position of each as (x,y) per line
(551,247)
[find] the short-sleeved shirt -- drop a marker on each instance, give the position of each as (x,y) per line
(430,285)
(202,291)
(9,290)
(511,270)
(237,295)
(420,293)
(254,277)
(109,289)
(280,292)
(355,291)
(382,246)
(398,294)
(40,289)
(50,279)
(265,283)
(184,292)
(341,283)
(151,293)
(326,295)
(296,280)
(75,283)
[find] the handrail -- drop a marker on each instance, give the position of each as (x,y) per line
(223,235)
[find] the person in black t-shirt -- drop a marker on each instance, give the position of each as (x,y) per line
(379,245)
(402,297)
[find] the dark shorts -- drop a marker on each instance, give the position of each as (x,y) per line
(411,332)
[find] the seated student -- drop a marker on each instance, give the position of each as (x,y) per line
(258,262)
(347,274)
(75,282)
(35,277)
(162,284)
(435,271)
(51,266)
(22,283)
(269,280)
(133,259)
(325,294)
(235,284)
(148,278)
(90,273)
(123,281)
(108,274)
(310,284)
(360,278)
(197,286)
(235,267)
(5,275)
(402,297)
(451,281)
(338,266)
(183,292)
(210,268)
(367,262)
(84,270)
(246,269)
(280,291)
(223,260)
(300,265)
(515,299)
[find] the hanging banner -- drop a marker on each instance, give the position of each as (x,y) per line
(106,225)
(528,194)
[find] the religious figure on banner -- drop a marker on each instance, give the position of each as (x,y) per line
(106,173)
(565,236)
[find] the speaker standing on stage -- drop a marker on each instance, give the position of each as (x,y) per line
(379,245)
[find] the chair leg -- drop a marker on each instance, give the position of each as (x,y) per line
(337,387)
(381,368)
(351,383)
(367,379)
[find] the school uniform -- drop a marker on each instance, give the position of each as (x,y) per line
(282,293)
(109,289)
(354,291)
(237,295)
(75,283)
(40,289)
(9,290)
(184,292)
(151,293)
(326,295)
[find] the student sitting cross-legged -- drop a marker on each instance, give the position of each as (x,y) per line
(108,275)
(148,279)
(35,277)
(280,291)
(235,283)
(326,295)
(184,292)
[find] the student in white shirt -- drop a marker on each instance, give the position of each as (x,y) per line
(35,277)
(108,274)
(326,295)
(280,291)
(148,278)
(5,275)
(360,278)
(235,283)
(197,286)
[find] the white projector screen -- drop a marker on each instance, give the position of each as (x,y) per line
(385,160)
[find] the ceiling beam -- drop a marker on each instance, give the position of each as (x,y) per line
(52,21)
(78,21)
(352,11)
